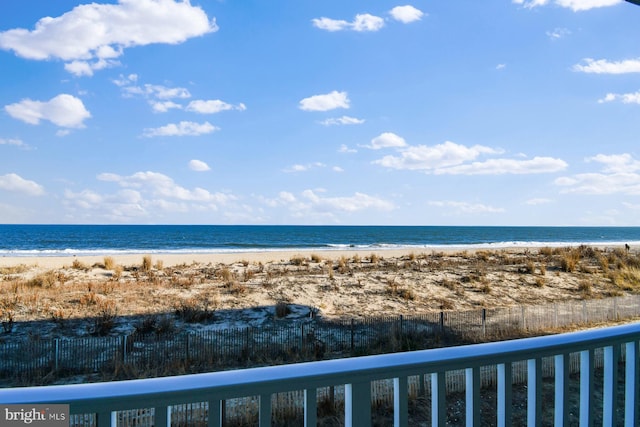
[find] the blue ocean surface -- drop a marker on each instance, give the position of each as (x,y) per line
(57,240)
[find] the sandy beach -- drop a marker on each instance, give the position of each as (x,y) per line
(172,259)
(246,288)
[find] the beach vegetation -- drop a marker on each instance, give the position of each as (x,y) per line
(147,263)
(298,260)
(225,274)
(540,282)
(530,267)
(14,269)
(316,258)
(117,273)
(79,265)
(236,288)
(374,258)
(627,279)
(153,323)
(109,263)
(90,298)
(105,320)
(58,315)
(159,264)
(569,261)
(343,265)
(585,287)
(247,274)
(195,310)
(48,279)
(282,309)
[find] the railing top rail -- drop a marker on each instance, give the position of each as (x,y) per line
(229,384)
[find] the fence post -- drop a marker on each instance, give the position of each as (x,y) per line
(615,308)
(124,349)
(57,353)
(186,338)
(442,322)
(484,322)
(524,318)
(352,338)
(584,311)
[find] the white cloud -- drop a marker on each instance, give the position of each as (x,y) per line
(164,186)
(406,14)
(198,166)
(15,183)
(506,166)
(458,208)
(357,202)
(91,36)
(12,141)
(501,66)
(386,140)
(429,158)
(329,24)
(538,201)
(156,91)
(603,66)
(63,110)
(126,80)
(361,23)
(619,175)
(326,102)
(344,120)
(625,98)
(183,128)
(616,163)
(578,5)
(558,33)
(213,106)
(345,149)
(163,107)
(601,184)
(304,168)
(575,5)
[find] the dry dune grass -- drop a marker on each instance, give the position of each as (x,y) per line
(343,287)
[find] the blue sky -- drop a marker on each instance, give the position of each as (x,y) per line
(493,112)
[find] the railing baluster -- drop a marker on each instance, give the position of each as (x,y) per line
(310,407)
(438,401)
(106,419)
(610,387)
(534,392)
(214,415)
(586,388)
(472,376)
(264,414)
(562,370)
(400,402)
(505,381)
(631,385)
(357,404)
(162,416)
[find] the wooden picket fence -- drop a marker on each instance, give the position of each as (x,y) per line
(34,361)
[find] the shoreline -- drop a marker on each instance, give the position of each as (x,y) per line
(170,259)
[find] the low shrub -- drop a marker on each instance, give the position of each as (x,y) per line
(282,309)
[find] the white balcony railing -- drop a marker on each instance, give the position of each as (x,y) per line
(619,344)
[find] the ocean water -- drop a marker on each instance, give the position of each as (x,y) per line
(57,240)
